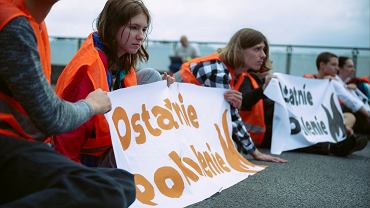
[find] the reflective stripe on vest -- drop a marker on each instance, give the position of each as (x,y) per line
(254,120)
(309,76)
(14,121)
(87,56)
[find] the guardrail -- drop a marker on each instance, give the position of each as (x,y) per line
(289,59)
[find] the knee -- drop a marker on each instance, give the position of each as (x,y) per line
(148,75)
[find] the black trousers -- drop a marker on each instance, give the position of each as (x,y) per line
(34,175)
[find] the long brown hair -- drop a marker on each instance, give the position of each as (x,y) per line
(114,15)
(232,54)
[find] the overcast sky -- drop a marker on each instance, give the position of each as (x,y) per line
(304,22)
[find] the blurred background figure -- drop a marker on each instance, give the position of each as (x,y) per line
(182,53)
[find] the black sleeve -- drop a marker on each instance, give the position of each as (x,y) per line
(250,98)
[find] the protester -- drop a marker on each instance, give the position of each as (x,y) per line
(357,87)
(183,53)
(247,48)
(346,73)
(327,66)
(32,174)
(105,60)
(255,104)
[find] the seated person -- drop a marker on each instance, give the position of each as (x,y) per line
(33,174)
(256,103)
(107,60)
(346,73)
(327,66)
(183,53)
(223,70)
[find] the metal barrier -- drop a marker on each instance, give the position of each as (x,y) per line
(289,59)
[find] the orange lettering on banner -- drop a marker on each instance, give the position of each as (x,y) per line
(141,138)
(186,171)
(193,116)
(164,115)
(206,162)
(235,160)
(168,180)
(145,116)
(201,161)
(211,163)
(148,194)
(164,118)
(119,114)
(164,174)
(221,162)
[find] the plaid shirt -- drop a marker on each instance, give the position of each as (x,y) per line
(215,74)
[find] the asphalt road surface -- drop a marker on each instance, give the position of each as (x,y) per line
(307,180)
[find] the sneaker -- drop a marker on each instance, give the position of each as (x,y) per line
(360,142)
(344,147)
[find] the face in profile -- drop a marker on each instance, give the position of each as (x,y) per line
(348,68)
(131,36)
(331,67)
(254,57)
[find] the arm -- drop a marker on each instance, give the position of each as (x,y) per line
(70,143)
(346,97)
(23,75)
(216,75)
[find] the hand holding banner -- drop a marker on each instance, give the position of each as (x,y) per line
(176,141)
(306,112)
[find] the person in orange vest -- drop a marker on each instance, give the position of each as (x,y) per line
(106,60)
(33,174)
(256,104)
(327,67)
(227,69)
(346,74)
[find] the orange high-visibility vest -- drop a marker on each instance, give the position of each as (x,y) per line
(310,76)
(88,57)
(254,119)
(365,78)
(18,120)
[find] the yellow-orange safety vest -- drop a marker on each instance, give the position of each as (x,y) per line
(254,119)
(18,123)
(88,57)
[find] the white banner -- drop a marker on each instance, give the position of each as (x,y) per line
(306,112)
(176,141)
(362,97)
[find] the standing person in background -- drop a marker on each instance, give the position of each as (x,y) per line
(247,49)
(106,60)
(32,174)
(182,53)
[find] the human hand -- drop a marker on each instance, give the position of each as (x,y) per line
(234,97)
(268,78)
(99,101)
(351,86)
(328,77)
(257,155)
(170,79)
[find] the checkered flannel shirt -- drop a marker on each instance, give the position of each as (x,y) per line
(215,74)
